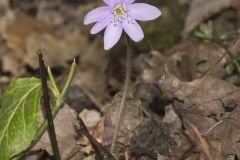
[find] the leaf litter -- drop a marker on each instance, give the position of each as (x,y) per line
(175,93)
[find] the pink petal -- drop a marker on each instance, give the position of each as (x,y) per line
(112,3)
(100,25)
(133,30)
(143,11)
(97,14)
(128,1)
(112,35)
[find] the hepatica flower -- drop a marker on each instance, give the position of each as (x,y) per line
(119,16)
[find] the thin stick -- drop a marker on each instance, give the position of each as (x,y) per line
(58,104)
(214,126)
(47,108)
(100,151)
(203,143)
(124,96)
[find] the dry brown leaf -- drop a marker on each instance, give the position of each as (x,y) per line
(58,51)
(228,133)
(130,119)
(65,123)
(26,35)
(201,10)
(171,119)
(17,31)
(207,95)
(177,123)
(187,61)
(192,60)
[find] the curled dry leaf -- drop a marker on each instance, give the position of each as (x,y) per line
(130,119)
(187,61)
(175,126)
(190,61)
(207,95)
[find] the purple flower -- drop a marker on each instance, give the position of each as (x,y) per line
(120,15)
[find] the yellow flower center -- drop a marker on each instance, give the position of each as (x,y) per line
(118,11)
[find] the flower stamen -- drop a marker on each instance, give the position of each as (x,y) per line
(120,13)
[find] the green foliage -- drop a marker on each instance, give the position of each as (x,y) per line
(205,32)
(233,70)
(19,116)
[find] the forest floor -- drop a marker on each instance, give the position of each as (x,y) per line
(183,101)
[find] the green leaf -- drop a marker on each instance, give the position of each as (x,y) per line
(19,114)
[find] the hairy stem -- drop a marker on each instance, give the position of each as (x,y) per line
(124,95)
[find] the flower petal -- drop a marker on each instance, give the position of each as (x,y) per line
(143,11)
(128,1)
(97,14)
(100,25)
(133,30)
(112,3)
(112,35)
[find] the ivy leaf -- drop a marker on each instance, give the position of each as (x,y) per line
(19,116)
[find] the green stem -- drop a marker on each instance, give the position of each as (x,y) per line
(58,104)
(146,112)
(69,80)
(53,82)
(237,65)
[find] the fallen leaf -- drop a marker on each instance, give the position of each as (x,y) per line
(18,30)
(187,61)
(201,10)
(193,60)
(207,95)
(58,51)
(228,133)
(130,119)
(65,124)
(26,35)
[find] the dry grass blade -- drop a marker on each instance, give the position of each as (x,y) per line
(203,143)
